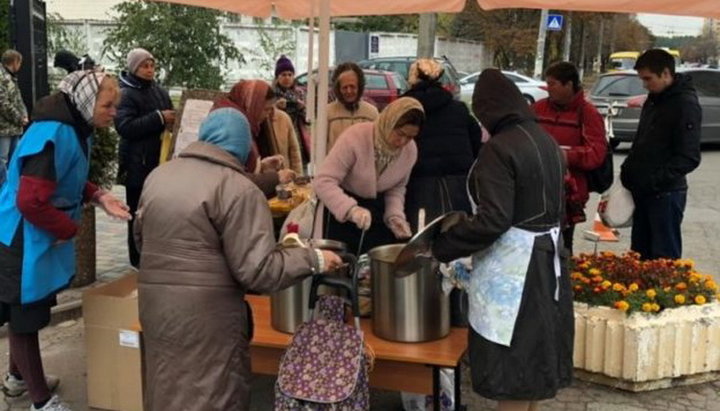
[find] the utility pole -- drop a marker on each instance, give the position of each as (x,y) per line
(600,44)
(540,53)
(568,38)
(426,35)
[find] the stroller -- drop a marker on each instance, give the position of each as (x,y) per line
(325,367)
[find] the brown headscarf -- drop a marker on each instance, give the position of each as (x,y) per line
(384,125)
(248,96)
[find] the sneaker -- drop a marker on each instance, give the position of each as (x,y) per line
(53,405)
(15,387)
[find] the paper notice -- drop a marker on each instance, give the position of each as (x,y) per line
(129,339)
(193,114)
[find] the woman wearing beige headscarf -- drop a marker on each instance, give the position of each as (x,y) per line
(362,180)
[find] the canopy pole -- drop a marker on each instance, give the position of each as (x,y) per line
(311,101)
(320,139)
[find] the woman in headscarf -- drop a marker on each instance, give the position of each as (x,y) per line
(362,180)
(40,210)
(521,311)
(256,99)
(206,238)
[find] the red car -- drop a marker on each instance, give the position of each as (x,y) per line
(381,87)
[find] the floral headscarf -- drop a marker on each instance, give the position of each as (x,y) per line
(82,88)
(384,125)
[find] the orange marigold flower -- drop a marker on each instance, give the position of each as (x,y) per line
(647,307)
(618,287)
(622,305)
(655,307)
(680,299)
(651,293)
(633,287)
(700,299)
(608,254)
(597,279)
(576,275)
(585,280)
(606,284)
(578,288)
(711,285)
(594,271)
(597,290)
(681,286)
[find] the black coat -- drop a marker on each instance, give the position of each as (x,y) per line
(667,142)
(140,126)
(447,147)
(517,181)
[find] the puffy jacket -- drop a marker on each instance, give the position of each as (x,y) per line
(667,143)
(450,138)
(140,126)
(579,129)
(12,108)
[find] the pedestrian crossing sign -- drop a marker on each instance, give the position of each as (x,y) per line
(555,22)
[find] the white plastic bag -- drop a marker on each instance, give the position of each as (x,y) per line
(420,402)
(616,206)
(304,216)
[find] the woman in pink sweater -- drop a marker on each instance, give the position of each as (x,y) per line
(362,180)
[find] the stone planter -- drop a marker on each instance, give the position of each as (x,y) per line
(647,351)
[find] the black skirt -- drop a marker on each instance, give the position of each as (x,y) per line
(539,359)
(377,235)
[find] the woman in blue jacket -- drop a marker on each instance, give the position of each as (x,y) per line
(40,206)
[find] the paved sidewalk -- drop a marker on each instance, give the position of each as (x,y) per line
(63,348)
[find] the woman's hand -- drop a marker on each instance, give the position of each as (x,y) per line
(331,261)
(285,176)
(360,217)
(399,227)
(272,163)
(113,206)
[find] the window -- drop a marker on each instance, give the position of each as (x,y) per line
(400,83)
(618,86)
(375,82)
(707,83)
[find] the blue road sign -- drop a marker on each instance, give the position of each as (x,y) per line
(555,22)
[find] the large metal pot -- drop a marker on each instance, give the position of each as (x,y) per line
(289,306)
(412,308)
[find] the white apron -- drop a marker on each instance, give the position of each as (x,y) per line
(497,282)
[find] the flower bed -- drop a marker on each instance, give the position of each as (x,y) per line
(642,325)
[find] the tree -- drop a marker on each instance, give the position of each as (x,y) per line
(404,23)
(4,24)
(186,41)
(702,49)
(510,34)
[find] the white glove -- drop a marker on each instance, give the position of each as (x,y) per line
(399,227)
(361,217)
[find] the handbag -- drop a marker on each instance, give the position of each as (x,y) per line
(601,178)
(616,206)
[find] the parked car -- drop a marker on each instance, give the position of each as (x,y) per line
(450,79)
(381,87)
(532,89)
(624,94)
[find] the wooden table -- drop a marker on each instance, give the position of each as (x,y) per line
(398,366)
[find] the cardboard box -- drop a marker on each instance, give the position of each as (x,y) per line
(114,366)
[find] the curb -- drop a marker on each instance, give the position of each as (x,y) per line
(65,312)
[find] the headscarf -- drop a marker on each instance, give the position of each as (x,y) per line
(384,125)
(82,88)
(249,97)
(228,129)
(425,70)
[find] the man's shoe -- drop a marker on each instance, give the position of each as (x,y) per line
(14,387)
(53,405)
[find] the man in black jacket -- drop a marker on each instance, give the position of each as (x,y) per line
(666,148)
(145,111)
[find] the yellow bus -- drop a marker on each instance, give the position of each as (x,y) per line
(625,60)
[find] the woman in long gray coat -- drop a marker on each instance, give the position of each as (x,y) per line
(521,310)
(206,238)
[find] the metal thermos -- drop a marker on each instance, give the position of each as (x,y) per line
(289,306)
(413,308)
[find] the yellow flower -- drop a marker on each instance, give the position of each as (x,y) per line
(584,266)
(647,307)
(594,271)
(618,287)
(681,286)
(680,299)
(606,284)
(695,277)
(700,299)
(684,262)
(622,305)
(655,307)
(633,287)
(651,293)
(711,285)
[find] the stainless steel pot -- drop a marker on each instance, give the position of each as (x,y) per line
(412,308)
(289,306)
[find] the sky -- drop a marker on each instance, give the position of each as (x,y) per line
(669,26)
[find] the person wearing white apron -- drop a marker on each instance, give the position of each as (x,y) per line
(521,313)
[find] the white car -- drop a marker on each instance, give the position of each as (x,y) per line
(532,89)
